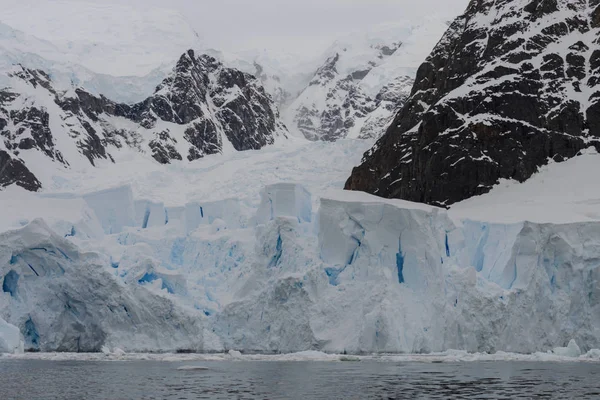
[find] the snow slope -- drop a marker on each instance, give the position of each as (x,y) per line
(111,39)
(263,266)
(559,192)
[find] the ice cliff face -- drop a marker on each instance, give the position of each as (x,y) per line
(511,85)
(201,108)
(357,274)
(66,300)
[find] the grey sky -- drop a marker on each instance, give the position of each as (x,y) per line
(298,26)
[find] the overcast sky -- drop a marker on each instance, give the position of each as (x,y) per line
(298,25)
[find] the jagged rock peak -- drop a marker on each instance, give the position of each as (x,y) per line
(511,85)
(201,108)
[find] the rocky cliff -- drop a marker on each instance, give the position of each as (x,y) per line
(511,85)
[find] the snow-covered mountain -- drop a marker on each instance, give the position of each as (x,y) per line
(284,76)
(363,81)
(201,108)
(512,85)
(17,47)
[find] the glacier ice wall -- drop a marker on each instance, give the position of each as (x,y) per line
(359,274)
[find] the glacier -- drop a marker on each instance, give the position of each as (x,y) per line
(300,268)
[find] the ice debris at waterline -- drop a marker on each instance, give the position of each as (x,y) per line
(11,341)
(358,274)
(192,368)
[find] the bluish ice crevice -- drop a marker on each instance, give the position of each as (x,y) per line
(333,275)
(10,284)
(479,256)
(33,269)
(14,259)
(210,297)
(354,254)
(146,218)
(202,212)
(114,264)
(151,277)
(447,247)
(148,277)
(31,335)
(72,233)
(166,285)
(278,253)
(177,251)
(400,262)
(63,254)
(166,216)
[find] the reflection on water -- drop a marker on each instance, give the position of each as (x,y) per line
(28,379)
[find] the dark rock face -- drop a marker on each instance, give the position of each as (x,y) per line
(192,113)
(13,171)
(511,85)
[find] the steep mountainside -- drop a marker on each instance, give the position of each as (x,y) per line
(512,84)
(363,82)
(201,108)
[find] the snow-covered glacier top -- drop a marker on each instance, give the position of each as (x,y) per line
(113,39)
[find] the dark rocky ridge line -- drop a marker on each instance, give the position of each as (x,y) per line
(210,102)
(511,85)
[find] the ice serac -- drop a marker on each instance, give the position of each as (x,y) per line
(284,200)
(511,85)
(201,108)
(63,299)
(114,208)
(227,211)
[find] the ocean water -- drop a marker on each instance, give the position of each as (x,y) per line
(37,379)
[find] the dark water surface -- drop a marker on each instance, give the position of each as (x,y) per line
(27,379)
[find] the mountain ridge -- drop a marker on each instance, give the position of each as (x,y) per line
(201,108)
(510,85)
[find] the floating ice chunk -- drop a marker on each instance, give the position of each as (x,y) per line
(572,350)
(11,340)
(593,354)
(235,354)
(119,352)
(284,200)
(113,207)
(192,368)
